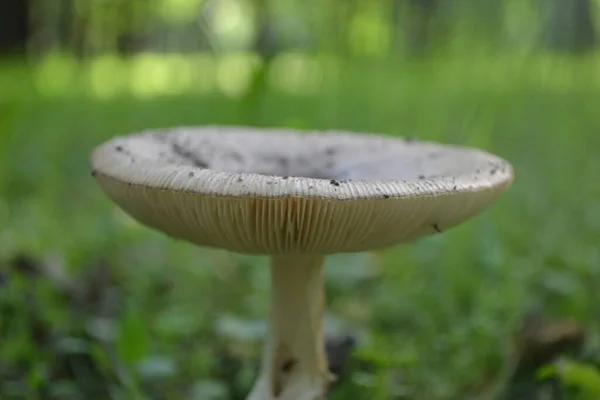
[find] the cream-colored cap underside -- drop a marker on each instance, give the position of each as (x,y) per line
(273,191)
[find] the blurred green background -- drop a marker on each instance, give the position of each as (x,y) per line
(95,306)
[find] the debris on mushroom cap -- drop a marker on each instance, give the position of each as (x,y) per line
(270,191)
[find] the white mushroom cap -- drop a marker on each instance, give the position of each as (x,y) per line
(274,191)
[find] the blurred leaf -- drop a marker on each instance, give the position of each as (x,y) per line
(37,376)
(8,116)
(346,270)
(102,328)
(72,345)
(63,390)
(387,360)
(156,368)
(240,329)
(560,282)
(132,338)
(584,377)
(100,357)
(175,321)
(209,390)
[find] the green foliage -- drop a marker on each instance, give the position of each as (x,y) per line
(584,378)
(144,315)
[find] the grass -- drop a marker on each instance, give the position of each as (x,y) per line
(142,315)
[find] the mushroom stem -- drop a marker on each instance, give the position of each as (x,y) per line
(294,366)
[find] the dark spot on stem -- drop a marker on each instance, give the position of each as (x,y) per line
(285,177)
(385,196)
(94,173)
(409,139)
(334,182)
(119,148)
(288,365)
(493,172)
(437,228)
(421,176)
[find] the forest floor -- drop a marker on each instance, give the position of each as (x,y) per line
(94,305)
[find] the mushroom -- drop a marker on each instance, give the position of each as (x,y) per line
(297,197)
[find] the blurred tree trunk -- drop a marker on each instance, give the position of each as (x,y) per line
(266,45)
(570,25)
(50,23)
(344,12)
(128,41)
(265,42)
(420,26)
(14,26)
(416,19)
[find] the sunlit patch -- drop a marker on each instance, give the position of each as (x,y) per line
(178,11)
(107,76)
(234,73)
(296,73)
(230,23)
(55,74)
(182,73)
(369,34)
(228,14)
(204,73)
(150,76)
